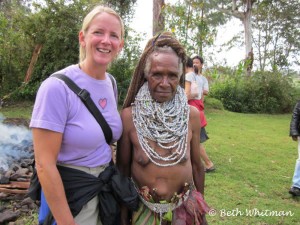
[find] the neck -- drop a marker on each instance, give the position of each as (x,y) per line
(95,71)
(165,123)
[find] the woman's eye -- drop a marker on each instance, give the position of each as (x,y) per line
(173,77)
(98,32)
(116,36)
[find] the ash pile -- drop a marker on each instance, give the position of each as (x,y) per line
(16,157)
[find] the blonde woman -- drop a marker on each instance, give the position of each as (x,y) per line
(64,131)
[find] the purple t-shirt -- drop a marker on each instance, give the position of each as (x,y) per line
(59,109)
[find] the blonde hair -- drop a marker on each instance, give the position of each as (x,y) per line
(88,19)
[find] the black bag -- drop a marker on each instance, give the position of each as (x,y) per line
(34,190)
(118,189)
(124,190)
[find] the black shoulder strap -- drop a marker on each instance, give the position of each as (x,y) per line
(113,81)
(84,95)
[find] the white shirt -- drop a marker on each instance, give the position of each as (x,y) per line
(201,80)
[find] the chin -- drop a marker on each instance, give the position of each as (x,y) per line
(104,60)
(161,100)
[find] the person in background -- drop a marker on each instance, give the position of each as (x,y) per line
(193,66)
(64,132)
(295,134)
(159,145)
(198,63)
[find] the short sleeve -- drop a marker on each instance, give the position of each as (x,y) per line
(51,106)
(189,76)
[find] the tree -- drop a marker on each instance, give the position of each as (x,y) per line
(276,34)
(158,17)
(13,51)
(243,10)
(193,22)
(51,28)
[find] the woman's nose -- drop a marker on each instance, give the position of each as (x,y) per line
(106,38)
(165,81)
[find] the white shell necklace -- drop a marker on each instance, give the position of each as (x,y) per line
(166,124)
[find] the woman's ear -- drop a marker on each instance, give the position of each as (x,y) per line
(121,46)
(81,38)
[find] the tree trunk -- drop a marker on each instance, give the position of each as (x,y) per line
(248,36)
(34,58)
(201,38)
(158,18)
(246,18)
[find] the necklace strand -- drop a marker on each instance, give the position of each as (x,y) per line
(165,124)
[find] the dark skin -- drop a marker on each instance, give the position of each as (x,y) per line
(163,182)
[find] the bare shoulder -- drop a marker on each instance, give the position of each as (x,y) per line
(194,118)
(126,116)
(126,113)
(194,112)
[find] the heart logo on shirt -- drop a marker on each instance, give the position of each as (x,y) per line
(103,102)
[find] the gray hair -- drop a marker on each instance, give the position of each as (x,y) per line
(163,49)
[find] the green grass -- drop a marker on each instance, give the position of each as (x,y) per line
(255,160)
(17,110)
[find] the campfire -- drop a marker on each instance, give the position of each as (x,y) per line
(16,157)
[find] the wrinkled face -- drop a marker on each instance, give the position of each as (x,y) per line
(198,64)
(164,76)
(102,40)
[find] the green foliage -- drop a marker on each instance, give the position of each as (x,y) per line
(192,23)
(24,92)
(264,92)
(123,67)
(55,26)
(213,103)
(58,33)
(122,71)
(14,51)
(276,33)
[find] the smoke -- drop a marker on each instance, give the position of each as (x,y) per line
(15,143)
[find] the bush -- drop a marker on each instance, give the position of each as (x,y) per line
(24,92)
(213,103)
(263,92)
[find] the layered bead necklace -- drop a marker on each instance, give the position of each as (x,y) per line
(165,124)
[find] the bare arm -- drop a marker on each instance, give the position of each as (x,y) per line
(197,166)
(205,88)
(205,92)
(46,148)
(187,89)
(124,155)
(124,147)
